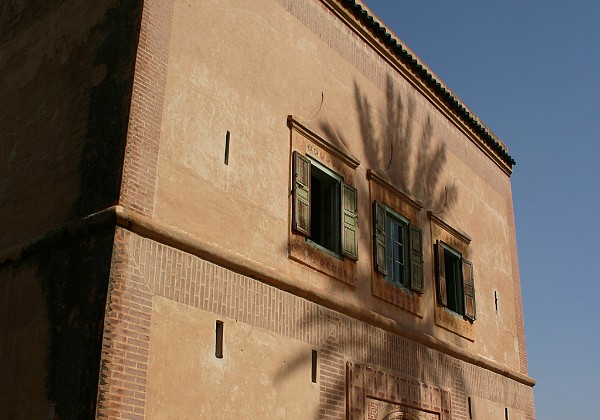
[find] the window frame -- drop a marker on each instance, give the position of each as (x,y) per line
(454,288)
(446,238)
(336,215)
(382,192)
(307,147)
(399,220)
(344,204)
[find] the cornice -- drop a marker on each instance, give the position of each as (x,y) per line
(118,216)
(358,17)
(413,202)
(341,152)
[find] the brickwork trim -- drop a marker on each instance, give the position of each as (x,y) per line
(160,232)
(214,253)
(138,183)
(365,382)
(155,230)
(143,268)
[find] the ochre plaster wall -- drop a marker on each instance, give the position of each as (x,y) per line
(261,375)
(242,67)
(158,357)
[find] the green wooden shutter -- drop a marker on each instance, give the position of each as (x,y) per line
(301,194)
(440,274)
(349,222)
(469,289)
(379,242)
(416,259)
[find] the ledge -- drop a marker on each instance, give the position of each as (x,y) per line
(144,226)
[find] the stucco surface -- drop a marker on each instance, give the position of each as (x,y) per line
(214,85)
(261,374)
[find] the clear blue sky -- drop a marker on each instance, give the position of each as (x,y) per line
(531,71)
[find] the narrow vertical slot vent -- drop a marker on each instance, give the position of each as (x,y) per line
(496,300)
(313,371)
(219,340)
(470,408)
(226,161)
(506,413)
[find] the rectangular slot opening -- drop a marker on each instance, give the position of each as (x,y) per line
(496,300)
(313,371)
(470,408)
(219,339)
(506,413)
(226,161)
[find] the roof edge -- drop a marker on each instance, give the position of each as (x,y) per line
(409,60)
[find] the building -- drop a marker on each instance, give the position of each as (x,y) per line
(248,208)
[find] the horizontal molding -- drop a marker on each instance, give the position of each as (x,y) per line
(157,231)
(344,155)
(377,35)
(413,202)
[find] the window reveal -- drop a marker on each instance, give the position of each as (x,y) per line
(325,209)
(397,248)
(455,286)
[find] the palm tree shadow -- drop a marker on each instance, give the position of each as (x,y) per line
(402,150)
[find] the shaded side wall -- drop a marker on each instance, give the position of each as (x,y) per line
(51,315)
(67,70)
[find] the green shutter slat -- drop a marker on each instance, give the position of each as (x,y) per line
(349,222)
(416,261)
(379,242)
(301,194)
(440,274)
(469,289)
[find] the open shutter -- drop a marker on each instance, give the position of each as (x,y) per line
(416,259)
(301,194)
(379,242)
(349,222)
(440,274)
(469,289)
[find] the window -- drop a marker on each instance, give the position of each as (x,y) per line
(324,207)
(397,248)
(455,287)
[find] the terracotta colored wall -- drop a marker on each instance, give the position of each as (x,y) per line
(159,357)
(207,68)
(300,53)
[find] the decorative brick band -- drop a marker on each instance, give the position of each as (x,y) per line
(518,298)
(366,382)
(143,268)
(143,135)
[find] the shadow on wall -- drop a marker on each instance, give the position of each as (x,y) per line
(412,161)
(390,147)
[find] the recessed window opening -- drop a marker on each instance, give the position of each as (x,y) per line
(397,252)
(325,208)
(506,413)
(454,281)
